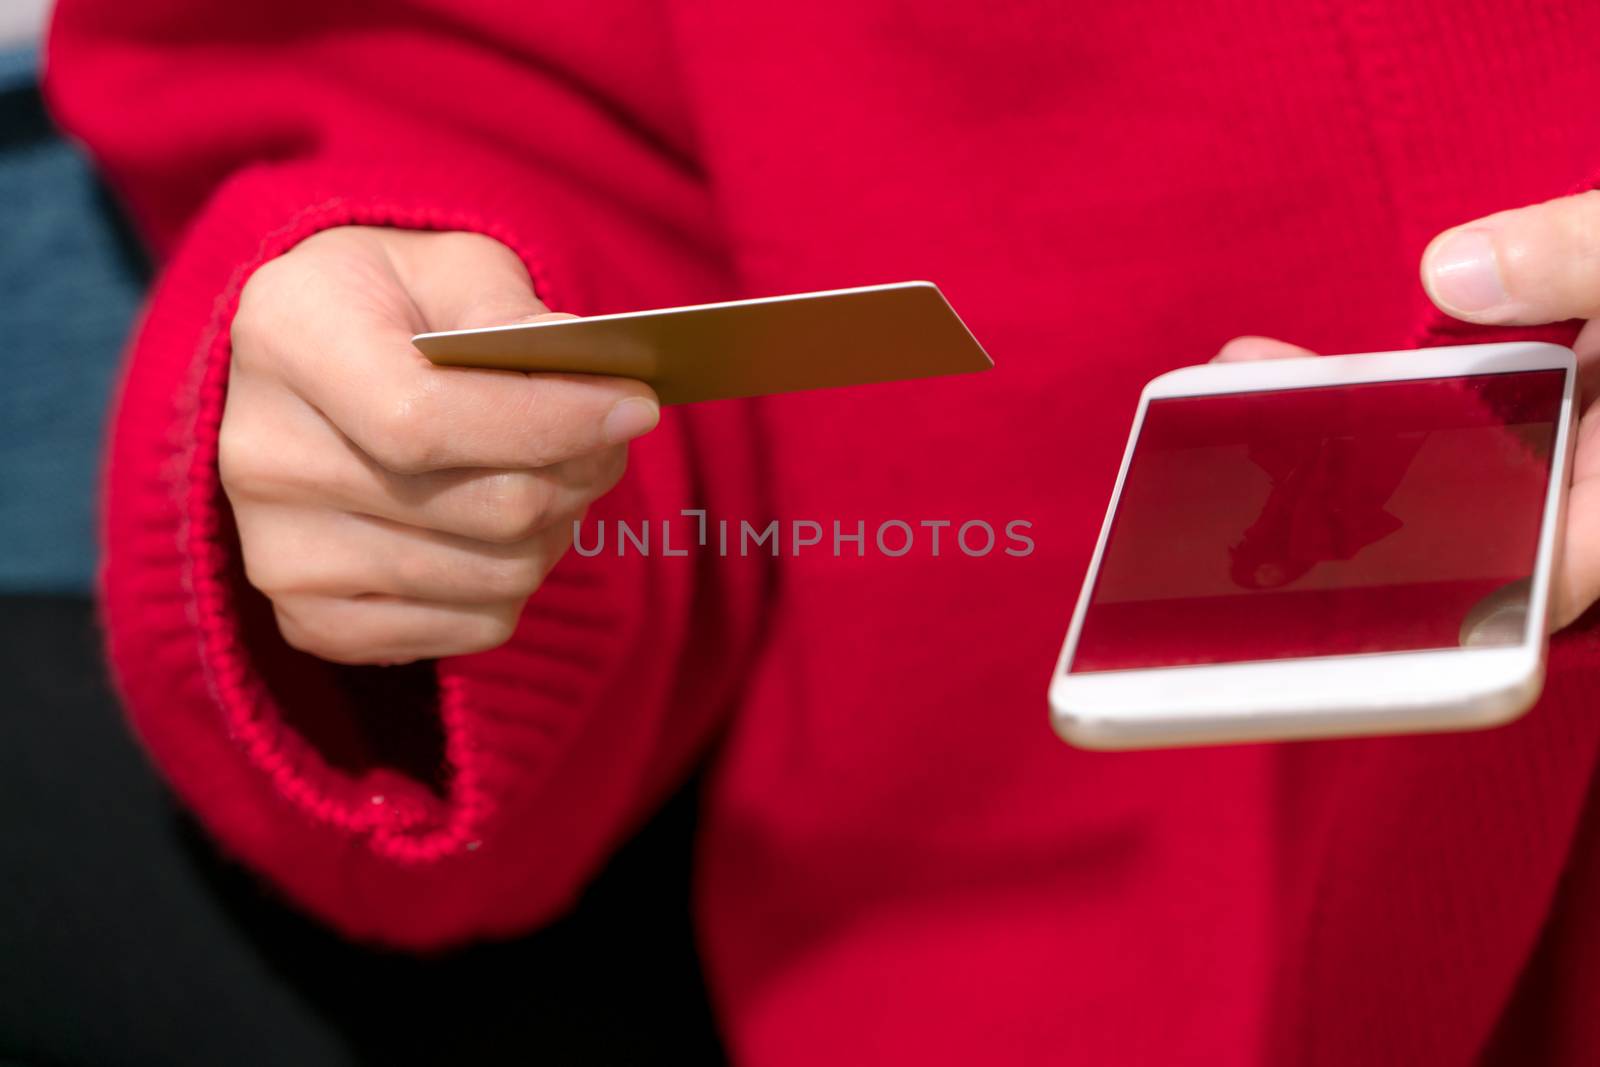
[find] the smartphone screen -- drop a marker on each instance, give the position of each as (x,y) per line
(1327,521)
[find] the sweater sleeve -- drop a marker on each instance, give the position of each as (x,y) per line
(473,797)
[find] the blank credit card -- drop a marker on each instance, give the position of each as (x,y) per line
(779,344)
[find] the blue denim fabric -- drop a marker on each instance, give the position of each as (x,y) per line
(70,281)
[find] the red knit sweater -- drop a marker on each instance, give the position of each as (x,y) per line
(898,862)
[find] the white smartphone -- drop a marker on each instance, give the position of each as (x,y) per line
(1325,547)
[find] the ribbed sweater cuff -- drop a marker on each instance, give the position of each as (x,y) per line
(198,694)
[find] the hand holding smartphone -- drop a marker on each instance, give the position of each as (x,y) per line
(1322,547)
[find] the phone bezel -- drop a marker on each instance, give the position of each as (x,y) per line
(1323,696)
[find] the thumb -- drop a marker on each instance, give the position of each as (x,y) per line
(1521,267)
(461,281)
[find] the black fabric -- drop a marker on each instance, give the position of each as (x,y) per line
(124,939)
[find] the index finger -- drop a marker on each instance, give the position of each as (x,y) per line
(411,416)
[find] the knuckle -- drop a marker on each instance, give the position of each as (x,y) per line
(491,629)
(249,462)
(269,286)
(265,569)
(260,575)
(512,506)
(513,576)
(265,282)
(433,571)
(466,244)
(315,631)
(585,479)
(239,461)
(279,296)
(293,632)
(416,568)
(449,241)
(246,335)
(305,630)
(401,433)
(250,327)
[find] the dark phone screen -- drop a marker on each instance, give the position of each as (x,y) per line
(1325,521)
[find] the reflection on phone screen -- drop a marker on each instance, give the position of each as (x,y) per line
(1336,520)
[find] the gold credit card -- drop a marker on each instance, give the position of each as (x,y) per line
(779,344)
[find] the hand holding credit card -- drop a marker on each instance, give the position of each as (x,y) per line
(742,348)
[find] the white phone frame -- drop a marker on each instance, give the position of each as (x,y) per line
(1323,696)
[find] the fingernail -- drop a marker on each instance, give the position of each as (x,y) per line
(631,418)
(1465,273)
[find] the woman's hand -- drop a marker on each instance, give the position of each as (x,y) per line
(1528,266)
(393,510)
